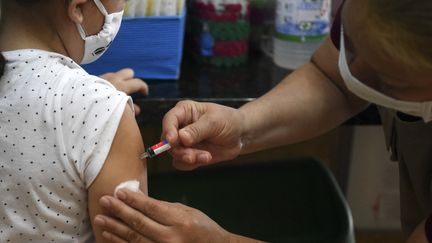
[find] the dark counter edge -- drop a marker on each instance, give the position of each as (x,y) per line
(154,109)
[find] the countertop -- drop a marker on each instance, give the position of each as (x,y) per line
(228,86)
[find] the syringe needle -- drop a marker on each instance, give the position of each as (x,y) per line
(144,155)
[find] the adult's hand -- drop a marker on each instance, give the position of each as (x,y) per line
(203,133)
(149,220)
(125,81)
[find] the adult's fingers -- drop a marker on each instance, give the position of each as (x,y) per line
(162,212)
(113,226)
(115,239)
(183,114)
(116,231)
(198,131)
(136,220)
(171,123)
(190,155)
(112,238)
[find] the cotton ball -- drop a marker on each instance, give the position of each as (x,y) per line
(132,185)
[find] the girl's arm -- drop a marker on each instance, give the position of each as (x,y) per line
(122,164)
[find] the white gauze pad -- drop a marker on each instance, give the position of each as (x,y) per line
(132,185)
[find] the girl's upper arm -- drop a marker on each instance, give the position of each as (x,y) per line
(122,164)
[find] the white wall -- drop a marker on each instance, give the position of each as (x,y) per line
(373,184)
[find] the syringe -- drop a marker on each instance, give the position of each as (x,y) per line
(156,150)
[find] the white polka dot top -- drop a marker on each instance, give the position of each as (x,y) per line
(57,124)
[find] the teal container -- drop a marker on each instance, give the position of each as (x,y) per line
(283,201)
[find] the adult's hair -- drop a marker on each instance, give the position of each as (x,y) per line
(403,29)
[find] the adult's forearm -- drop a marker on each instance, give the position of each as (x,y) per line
(304,105)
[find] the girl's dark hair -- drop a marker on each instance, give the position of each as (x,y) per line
(2,64)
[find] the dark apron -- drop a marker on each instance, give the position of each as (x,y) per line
(410,142)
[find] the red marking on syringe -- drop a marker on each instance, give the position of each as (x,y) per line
(156,150)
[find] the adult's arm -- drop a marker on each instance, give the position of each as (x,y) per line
(307,103)
(144,219)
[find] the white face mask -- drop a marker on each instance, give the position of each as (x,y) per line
(96,45)
(419,109)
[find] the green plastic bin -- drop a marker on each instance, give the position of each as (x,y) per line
(281,201)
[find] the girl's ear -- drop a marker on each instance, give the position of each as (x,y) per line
(75,10)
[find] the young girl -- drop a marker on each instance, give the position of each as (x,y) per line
(66,137)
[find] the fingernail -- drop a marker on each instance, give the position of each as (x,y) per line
(187,159)
(99,220)
(170,137)
(106,235)
(204,158)
(121,195)
(105,202)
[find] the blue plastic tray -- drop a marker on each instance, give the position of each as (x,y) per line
(152,46)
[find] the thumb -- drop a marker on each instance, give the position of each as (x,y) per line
(197,132)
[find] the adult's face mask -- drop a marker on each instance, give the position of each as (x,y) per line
(96,45)
(419,109)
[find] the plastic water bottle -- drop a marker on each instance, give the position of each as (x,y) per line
(301,27)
